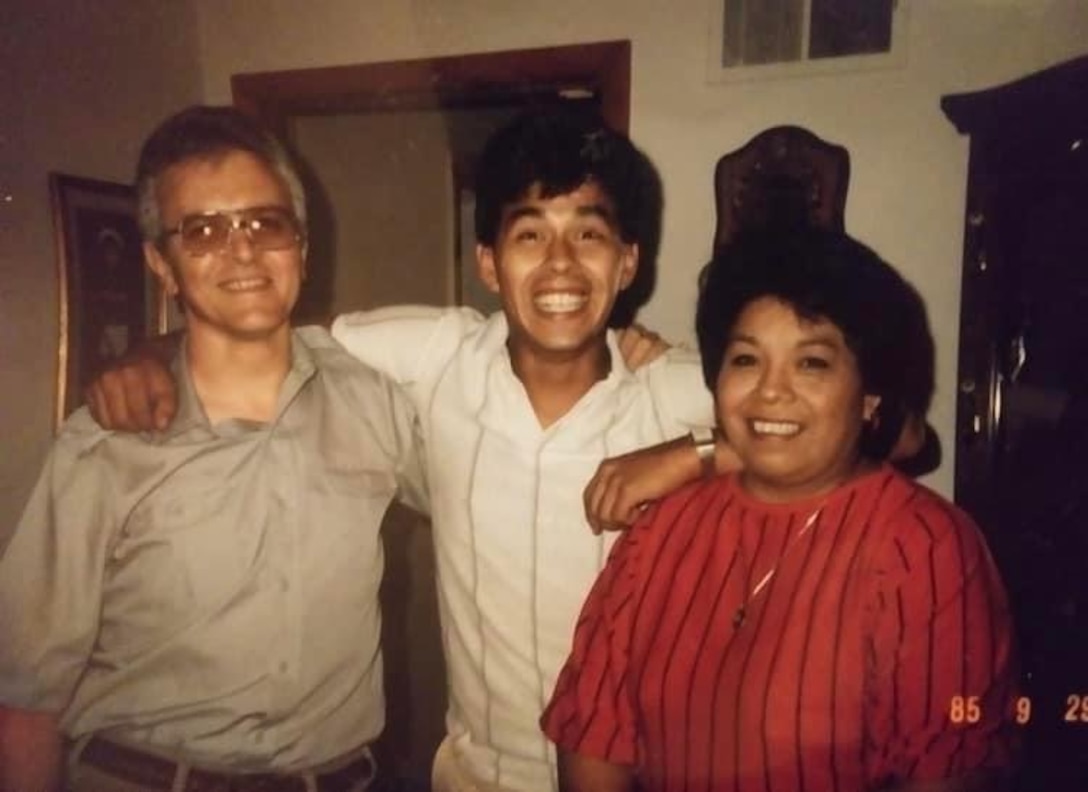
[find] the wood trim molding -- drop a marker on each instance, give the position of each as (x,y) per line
(478,80)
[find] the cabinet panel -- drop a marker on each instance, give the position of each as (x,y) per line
(1022,415)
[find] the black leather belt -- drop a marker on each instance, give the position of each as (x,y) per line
(157,773)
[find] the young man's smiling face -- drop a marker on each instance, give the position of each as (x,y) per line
(558,264)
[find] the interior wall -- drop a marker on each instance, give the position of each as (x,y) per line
(378,192)
(83,82)
(386,194)
(909,164)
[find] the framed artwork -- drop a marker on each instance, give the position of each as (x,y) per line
(108,299)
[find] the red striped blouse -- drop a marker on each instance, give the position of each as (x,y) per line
(877,649)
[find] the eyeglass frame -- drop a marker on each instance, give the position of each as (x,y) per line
(236,219)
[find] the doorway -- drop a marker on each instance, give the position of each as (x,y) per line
(392,146)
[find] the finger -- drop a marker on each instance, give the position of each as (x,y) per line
(591,502)
(622,522)
(611,527)
(627,339)
(635,336)
(115,406)
(625,506)
(643,348)
(647,349)
(135,397)
(163,396)
(635,513)
(165,408)
(623,500)
(602,519)
(601,496)
(92,397)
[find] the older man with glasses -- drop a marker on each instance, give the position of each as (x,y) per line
(196,608)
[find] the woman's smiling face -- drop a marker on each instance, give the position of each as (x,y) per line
(790,400)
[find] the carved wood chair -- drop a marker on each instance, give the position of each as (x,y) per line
(784,177)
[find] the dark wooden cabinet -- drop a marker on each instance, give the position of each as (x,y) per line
(1022,415)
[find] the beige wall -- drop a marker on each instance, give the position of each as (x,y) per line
(81,84)
(383,223)
(381,174)
(909,164)
(83,81)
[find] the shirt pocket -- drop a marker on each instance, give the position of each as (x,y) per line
(184,554)
(342,518)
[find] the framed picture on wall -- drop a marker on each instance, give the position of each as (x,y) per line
(108,299)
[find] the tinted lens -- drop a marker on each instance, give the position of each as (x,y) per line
(266,227)
(204,233)
(270,228)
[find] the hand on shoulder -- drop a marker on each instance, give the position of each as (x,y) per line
(137,392)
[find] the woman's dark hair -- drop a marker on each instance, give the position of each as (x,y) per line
(827,275)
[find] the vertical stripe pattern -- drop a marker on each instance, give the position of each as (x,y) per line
(878,652)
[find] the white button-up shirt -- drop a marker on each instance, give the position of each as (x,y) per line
(515,556)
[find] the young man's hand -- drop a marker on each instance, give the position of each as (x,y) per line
(137,393)
(623,485)
(640,346)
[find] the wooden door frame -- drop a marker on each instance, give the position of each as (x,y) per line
(602,69)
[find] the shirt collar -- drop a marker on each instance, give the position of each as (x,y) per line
(499,331)
(190,415)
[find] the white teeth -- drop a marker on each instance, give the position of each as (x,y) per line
(559,302)
(781,428)
(244,284)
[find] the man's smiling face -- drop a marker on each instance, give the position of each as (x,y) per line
(558,264)
(238,290)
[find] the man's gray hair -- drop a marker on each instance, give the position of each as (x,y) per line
(204,132)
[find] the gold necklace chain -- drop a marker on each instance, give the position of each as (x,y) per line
(742,612)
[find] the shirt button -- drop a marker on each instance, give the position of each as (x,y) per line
(282,667)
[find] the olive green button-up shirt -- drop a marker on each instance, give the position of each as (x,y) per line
(213,590)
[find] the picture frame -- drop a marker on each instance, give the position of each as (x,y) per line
(108,298)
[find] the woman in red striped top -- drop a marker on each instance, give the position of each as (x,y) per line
(817,621)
